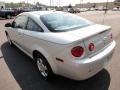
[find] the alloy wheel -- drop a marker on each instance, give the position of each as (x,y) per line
(42,67)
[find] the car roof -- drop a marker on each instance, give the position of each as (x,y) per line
(36,14)
(39,13)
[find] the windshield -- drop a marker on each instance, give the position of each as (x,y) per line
(59,22)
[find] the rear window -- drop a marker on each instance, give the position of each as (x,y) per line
(60,22)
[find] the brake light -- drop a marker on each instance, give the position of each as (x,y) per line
(77,51)
(91,47)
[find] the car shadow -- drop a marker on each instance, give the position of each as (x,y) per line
(28,77)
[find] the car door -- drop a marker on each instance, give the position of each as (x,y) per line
(18,28)
(31,28)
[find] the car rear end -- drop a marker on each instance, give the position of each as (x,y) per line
(88,55)
(91,65)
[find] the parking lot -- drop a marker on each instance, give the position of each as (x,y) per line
(18,71)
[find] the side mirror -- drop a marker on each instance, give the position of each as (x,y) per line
(8,25)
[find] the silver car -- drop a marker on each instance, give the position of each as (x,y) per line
(62,43)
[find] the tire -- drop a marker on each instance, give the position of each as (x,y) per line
(43,66)
(8,16)
(9,40)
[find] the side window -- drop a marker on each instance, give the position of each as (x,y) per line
(20,22)
(33,26)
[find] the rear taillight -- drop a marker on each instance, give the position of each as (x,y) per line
(91,47)
(77,51)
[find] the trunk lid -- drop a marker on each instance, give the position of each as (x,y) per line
(100,41)
(99,35)
(73,36)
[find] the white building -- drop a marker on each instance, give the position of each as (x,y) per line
(2,5)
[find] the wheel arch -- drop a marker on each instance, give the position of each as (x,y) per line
(36,52)
(50,62)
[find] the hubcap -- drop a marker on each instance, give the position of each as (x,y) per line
(42,68)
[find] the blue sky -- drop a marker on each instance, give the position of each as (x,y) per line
(56,2)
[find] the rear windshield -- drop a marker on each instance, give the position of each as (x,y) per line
(60,22)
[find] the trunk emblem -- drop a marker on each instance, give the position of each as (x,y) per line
(104,39)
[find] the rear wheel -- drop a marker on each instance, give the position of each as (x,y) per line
(43,67)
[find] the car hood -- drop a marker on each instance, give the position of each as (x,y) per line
(74,35)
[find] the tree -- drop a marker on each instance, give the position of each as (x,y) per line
(37,4)
(70,6)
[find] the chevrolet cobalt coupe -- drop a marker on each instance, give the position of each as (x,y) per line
(62,43)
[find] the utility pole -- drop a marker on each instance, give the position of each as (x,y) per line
(59,3)
(50,4)
(19,3)
(81,3)
(27,3)
(106,7)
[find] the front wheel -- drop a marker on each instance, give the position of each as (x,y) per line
(44,67)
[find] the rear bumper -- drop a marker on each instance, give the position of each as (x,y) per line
(86,68)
